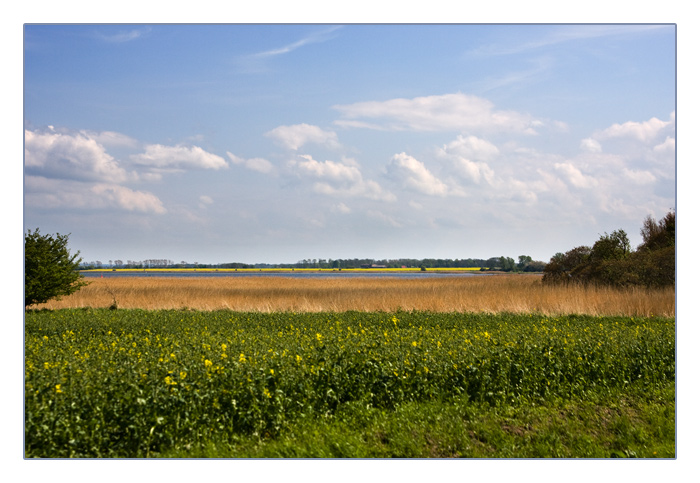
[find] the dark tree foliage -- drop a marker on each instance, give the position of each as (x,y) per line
(50,271)
(612,262)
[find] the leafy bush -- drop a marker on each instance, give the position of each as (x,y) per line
(50,271)
(612,262)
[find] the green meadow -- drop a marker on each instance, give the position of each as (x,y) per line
(180,383)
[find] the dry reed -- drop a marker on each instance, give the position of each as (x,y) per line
(490,294)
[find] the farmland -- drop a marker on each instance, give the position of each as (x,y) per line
(409,383)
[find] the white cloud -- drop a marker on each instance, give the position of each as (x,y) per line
(639,177)
(468,155)
(205,201)
(471,147)
(69,156)
(341,208)
(124,35)
(55,194)
(449,112)
(591,145)
(384,218)
(256,164)
(314,37)
(574,176)
(334,178)
(127,198)
(645,131)
(413,175)
(668,147)
(295,136)
(112,139)
(178,158)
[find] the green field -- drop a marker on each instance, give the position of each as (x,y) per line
(177,383)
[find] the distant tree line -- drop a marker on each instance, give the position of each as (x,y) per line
(525,264)
(158,263)
(611,261)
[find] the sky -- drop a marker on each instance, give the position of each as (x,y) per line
(273,143)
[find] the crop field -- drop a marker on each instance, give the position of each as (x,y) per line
(523,294)
(134,383)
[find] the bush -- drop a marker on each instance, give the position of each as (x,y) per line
(611,262)
(50,271)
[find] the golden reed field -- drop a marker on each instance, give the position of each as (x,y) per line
(490,294)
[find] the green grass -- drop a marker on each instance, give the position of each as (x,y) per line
(635,425)
(133,383)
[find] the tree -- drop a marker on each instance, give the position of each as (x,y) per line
(523,260)
(50,271)
(611,261)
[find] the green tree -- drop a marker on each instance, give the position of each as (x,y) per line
(50,271)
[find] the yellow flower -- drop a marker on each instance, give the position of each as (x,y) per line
(267,393)
(298,358)
(169,381)
(58,389)
(207,363)
(183,375)
(241,358)
(414,343)
(223,347)
(272,371)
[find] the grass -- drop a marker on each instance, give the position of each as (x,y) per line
(481,294)
(623,425)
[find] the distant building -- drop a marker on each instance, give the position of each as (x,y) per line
(374,265)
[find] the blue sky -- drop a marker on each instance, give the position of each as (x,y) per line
(276,143)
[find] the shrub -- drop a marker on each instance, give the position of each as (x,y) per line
(611,262)
(50,271)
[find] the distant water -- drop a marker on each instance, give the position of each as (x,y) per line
(295,274)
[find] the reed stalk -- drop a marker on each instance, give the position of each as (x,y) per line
(489,294)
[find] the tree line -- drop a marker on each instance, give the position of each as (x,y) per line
(525,263)
(611,260)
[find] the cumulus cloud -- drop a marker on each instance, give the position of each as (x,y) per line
(256,164)
(52,194)
(69,156)
(413,175)
(449,112)
(574,176)
(295,136)
(111,139)
(645,131)
(341,208)
(178,158)
(668,147)
(469,155)
(335,178)
(591,145)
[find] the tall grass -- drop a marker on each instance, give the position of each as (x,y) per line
(487,294)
